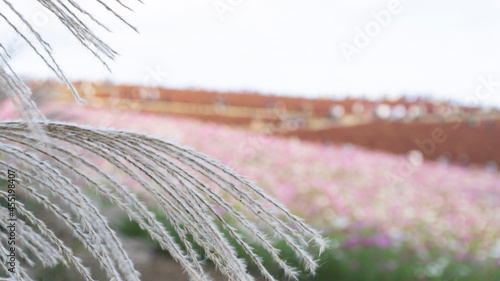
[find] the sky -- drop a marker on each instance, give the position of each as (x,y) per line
(320,48)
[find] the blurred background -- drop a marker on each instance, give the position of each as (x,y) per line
(378,122)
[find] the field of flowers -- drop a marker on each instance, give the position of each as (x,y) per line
(370,198)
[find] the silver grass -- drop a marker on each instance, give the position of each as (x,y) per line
(55,164)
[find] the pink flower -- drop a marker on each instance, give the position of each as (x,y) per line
(7,110)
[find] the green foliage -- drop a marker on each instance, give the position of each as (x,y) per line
(358,263)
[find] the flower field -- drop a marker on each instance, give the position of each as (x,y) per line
(371,198)
(342,187)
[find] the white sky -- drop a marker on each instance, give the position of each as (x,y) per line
(292,47)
